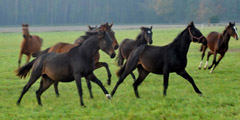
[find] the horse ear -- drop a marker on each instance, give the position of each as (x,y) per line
(89,27)
(230,23)
(151,27)
(142,28)
(111,25)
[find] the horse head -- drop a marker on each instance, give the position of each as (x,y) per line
(106,41)
(112,34)
(232,30)
(147,34)
(195,34)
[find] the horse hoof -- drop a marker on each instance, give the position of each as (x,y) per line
(18,104)
(200,94)
(108,96)
(199,68)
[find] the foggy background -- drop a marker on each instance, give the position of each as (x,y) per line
(82,12)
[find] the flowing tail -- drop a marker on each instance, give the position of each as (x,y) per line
(23,71)
(132,61)
(39,53)
(120,58)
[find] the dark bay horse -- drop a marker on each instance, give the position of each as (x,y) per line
(162,60)
(128,45)
(62,47)
(29,45)
(69,66)
(218,43)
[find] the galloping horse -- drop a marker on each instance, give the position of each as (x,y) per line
(65,47)
(69,66)
(218,43)
(162,60)
(128,45)
(29,45)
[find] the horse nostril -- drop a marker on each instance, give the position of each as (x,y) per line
(116,47)
(113,55)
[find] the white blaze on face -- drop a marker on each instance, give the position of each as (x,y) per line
(148,32)
(235,28)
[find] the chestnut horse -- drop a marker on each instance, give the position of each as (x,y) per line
(162,60)
(29,45)
(69,66)
(218,43)
(128,45)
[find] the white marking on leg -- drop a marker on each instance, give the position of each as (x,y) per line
(211,70)
(206,65)
(200,65)
(108,96)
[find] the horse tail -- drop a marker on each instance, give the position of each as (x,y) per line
(23,71)
(120,58)
(39,53)
(132,61)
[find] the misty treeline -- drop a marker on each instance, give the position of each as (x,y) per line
(71,12)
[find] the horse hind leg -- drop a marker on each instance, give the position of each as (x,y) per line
(34,77)
(89,87)
(209,54)
(142,75)
(45,83)
(56,88)
(28,58)
(133,76)
(203,49)
(214,61)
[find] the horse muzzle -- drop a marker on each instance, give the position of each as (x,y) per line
(113,55)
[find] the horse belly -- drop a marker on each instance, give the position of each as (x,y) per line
(152,66)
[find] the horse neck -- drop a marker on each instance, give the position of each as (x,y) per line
(89,47)
(182,42)
(141,39)
(225,38)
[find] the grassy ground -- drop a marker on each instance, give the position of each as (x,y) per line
(220,100)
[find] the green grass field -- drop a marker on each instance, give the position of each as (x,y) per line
(220,100)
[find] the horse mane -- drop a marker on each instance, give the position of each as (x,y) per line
(140,36)
(86,36)
(179,36)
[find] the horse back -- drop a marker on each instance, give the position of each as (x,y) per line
(126,47)
(212,40)
(61,47)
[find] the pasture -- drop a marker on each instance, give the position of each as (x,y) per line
(221,90)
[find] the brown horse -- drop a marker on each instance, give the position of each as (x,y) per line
(162,60)
(69,66)
(218,43)
(128,45)
(29,45)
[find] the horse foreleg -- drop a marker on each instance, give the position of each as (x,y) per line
(19,59)
(209,54)
(142,75)
(186,76)
(204,47)
(93,78)
(100,64)
(219,59)
(89,87)
(45,83)
(28,58)
(56,88)
(78,81)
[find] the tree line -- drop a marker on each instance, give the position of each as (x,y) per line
(72,12)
